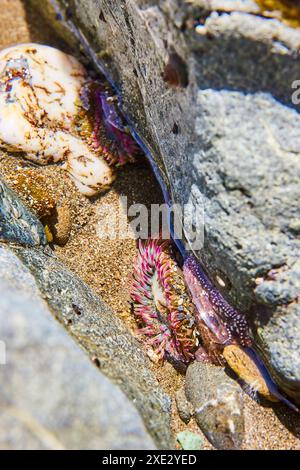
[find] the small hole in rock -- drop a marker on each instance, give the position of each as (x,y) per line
(176,71)
(96,362)
(69,13)
(102,17)
(76,309)
(175,128)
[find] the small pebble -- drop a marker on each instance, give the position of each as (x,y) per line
(190,440)
(218,404)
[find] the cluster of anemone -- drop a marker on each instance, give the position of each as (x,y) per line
(184,318)
(180,312)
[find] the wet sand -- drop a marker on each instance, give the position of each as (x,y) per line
(106,264)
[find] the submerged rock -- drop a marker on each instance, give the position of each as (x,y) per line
(222,121)
(218,405)
(34,190)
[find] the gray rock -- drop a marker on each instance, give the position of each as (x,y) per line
(51,396)
(49,387)
(17,223)
(183,406)
(218,405)
(228,143)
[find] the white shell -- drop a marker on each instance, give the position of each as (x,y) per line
(39,89)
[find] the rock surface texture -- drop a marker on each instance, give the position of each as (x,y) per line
(208,87)
(218,405)
(39,383)
(53,397)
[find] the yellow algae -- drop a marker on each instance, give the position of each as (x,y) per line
(48,233)
(288,11)
(34,190)
(246,369)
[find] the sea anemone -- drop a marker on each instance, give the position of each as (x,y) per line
(226,325)
(109,131)
(181,312)
(44,115)
(161,302)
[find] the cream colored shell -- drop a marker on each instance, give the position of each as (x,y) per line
(39,95)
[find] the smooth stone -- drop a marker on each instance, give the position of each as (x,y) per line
(100,333)
(218,405)
(183,406)
(52,397)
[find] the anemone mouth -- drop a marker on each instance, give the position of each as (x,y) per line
(159,296)
(162,305)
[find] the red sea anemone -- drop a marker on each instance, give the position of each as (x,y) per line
(181,312)
(161,302)
(104,125)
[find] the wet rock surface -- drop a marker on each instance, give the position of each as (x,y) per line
(218,405)
(214,104)
(52,396)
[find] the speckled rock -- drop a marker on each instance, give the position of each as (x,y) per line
(183,406)
(98,331)
(218,405)
(17,223)
(52,397)
(227,137)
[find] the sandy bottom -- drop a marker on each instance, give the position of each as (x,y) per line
(106,264)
